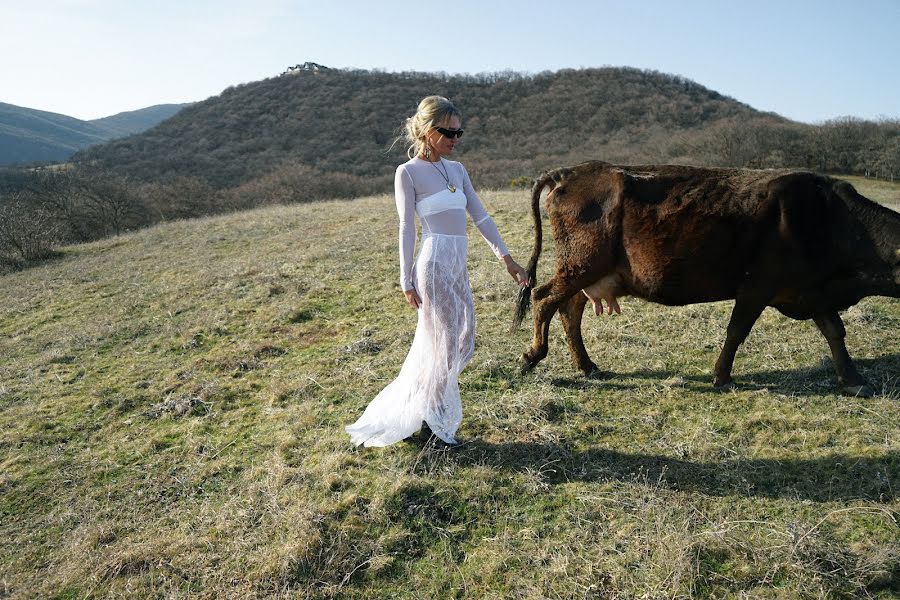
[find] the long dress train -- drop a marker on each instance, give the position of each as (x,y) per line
(427,388)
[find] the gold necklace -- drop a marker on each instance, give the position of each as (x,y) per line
(446,177)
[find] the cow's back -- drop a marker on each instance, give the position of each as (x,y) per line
(673,234)
(690,235)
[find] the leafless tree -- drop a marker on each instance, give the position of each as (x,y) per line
(28,232)
(89,205)
(180,198)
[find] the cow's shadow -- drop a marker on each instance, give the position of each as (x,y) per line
(831,478)
(882,373)
(837,477)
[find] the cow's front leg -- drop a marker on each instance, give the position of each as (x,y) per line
(744,314)
(571,313)
(850,382)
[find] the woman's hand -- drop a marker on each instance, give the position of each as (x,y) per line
(412,298)
(518,273)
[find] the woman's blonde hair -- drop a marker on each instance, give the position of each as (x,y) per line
(432,112)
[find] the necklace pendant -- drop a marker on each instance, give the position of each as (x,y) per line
(451,187)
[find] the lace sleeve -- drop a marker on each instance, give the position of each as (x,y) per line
(482,219)
(405,197)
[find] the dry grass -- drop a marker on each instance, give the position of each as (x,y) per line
(885,192)
(172,402)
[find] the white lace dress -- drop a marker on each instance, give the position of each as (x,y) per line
(427,388)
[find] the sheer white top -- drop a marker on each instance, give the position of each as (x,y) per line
(420,187)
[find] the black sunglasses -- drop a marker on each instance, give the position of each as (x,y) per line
(450,133)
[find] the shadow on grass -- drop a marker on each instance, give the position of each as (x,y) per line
(816,380)
(833,478)
(9,264)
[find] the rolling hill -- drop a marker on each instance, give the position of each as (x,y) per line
(28,135)
(338,123)
(312,134)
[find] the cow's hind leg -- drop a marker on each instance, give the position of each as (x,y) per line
(547,299)
(571,313)
(747,308)
(850,381)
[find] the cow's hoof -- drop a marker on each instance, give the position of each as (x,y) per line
(594,373)
(724,386)
(525,365)
(857,391)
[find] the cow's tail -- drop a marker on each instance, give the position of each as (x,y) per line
(524,297)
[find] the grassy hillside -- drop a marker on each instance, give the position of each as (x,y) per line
(172,403)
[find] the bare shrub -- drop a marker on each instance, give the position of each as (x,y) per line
(180,198)
(295,182)
(28,232)
(88,205)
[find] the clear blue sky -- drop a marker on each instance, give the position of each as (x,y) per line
(805,60)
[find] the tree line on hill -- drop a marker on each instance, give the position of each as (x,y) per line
(319,135)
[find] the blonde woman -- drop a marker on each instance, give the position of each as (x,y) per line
(426,392)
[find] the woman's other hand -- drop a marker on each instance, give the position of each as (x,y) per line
(412,298)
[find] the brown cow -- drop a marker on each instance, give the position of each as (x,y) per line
(803,243)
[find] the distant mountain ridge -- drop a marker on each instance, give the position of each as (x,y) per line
(136,121)
(28,135)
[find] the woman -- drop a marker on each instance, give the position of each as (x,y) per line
(426,393)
